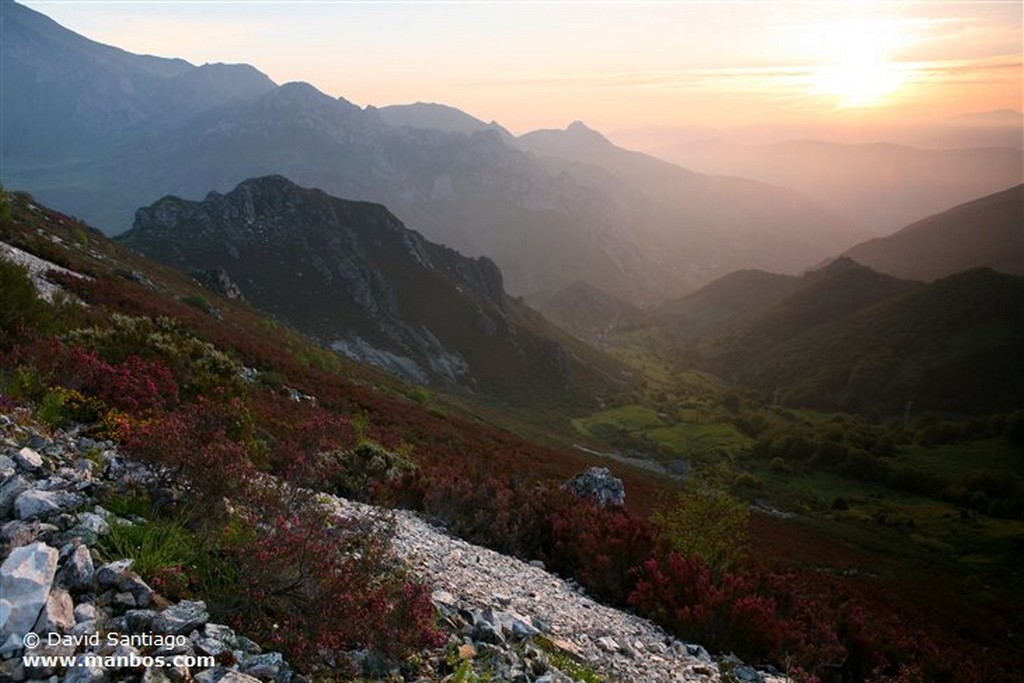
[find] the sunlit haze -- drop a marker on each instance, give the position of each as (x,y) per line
(613,64)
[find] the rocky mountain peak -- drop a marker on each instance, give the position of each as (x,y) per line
(350,274)
(582,131)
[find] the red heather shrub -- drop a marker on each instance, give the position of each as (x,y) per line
(134,386)
(723,611)
(598,545)
(754,626)
(319,584)
(296,433)
(679,593)
(200,443)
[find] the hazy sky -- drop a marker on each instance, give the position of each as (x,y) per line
(613,64)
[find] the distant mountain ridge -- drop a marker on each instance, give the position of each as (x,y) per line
(350,274)
(62,89)
(987,232)
(880,186)
(547,221)
(435,116)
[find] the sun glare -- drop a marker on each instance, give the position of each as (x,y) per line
(859,84)
(859,72)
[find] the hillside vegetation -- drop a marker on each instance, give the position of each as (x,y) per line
(196,383)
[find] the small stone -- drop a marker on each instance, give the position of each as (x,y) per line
(140,620)
(167,674)
(80,672)
(125,600)
(94,523)
(567,646)
(243,644)
(35,504)
(109,574)
(212,646)
(57,615)
(486,632)
(85,611)
(261,666)
(119,576)
(10,489)
(699,652)
(467,651)
(443,598)
(183,618)
(220,632)
(222,675)
(608,644)
(77,572)
(29,459)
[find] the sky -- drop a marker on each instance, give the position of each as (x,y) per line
(531,64)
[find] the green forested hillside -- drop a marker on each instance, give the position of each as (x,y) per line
(957,345)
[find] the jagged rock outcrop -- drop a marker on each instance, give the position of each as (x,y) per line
(218,281)
(353,276)
(598,483)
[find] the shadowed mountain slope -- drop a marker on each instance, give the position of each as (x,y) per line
(986,232)
(851,338)
(587,312)
(726,303)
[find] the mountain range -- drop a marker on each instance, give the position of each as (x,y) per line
(97,132)
(879,186)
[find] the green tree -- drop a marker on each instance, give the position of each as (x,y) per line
(709,524)
(5,207)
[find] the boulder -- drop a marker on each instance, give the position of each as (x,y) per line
(26,577)
(28,459)
(35,504)
(599,483)
(183,618)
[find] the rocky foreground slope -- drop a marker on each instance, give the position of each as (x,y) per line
(506,618)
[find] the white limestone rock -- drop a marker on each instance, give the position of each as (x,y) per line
(26,577)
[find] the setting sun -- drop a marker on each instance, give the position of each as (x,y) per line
(859,71)
(859,84)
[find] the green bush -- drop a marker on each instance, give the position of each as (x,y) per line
(199,302)
(364,468)
(20,305)
(61,407)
